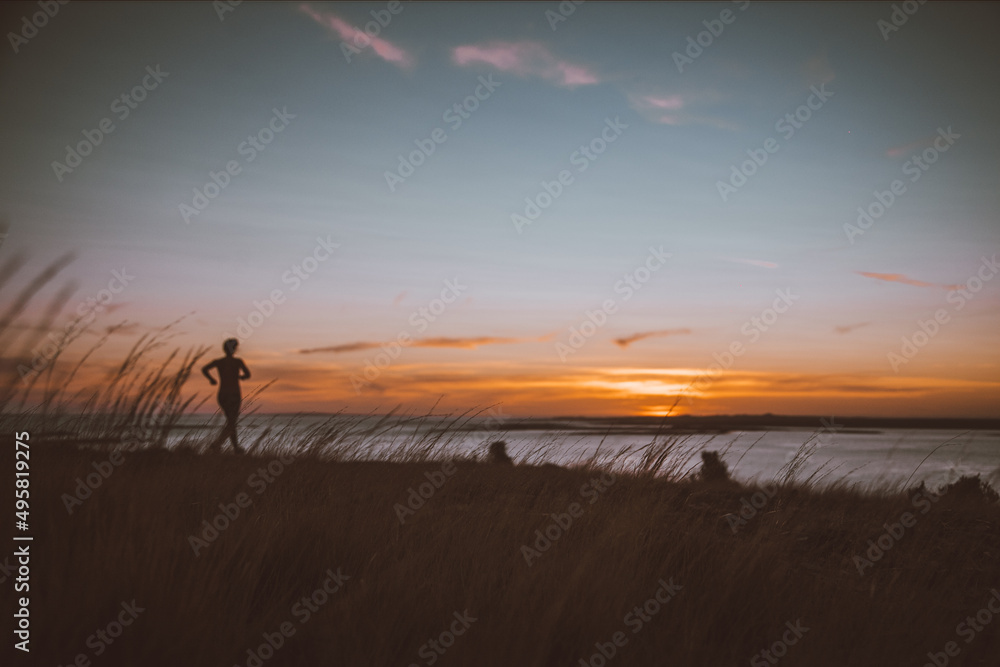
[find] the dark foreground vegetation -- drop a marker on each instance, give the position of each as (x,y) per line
(406,575)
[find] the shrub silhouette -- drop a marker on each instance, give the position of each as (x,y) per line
(498,453)
(712,468)
(969,487)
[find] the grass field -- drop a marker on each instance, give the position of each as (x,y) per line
(400,575)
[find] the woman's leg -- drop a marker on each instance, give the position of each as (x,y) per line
(216,445)
(232,414)
(231,408)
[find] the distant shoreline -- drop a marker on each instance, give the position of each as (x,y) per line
(717,423)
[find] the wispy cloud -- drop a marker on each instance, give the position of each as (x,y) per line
(671,102)
(847,328)
(358,346)
(660,108)
(900,278)
(675,109)
(525,59)
(468,343)
(385,49)
(628,340)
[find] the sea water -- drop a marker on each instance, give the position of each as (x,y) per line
(864,458)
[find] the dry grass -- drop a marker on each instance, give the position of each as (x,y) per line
(463,550)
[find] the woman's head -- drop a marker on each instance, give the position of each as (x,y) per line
(229,347)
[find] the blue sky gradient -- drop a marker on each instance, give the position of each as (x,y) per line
(657,184)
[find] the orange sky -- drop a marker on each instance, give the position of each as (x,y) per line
(543,388)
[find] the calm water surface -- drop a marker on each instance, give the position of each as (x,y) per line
(862,457)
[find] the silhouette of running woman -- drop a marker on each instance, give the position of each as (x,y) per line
(231,370)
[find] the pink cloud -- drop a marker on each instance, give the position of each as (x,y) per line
(672,102)
(675,109)
(358,38)
(525,59)
(652,107)
(900,278)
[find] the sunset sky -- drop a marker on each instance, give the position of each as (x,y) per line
(627,136)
